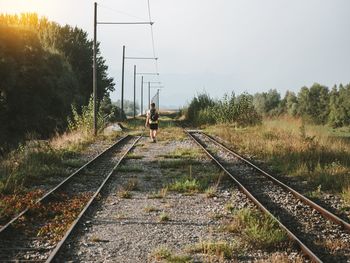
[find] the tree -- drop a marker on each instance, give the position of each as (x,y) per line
(303,102)
(291,103)
(318,103)
(259,101)
(273,100)
(267,103)
(44,69)
(224,110)
(339,106)
(246,113)
(201,102)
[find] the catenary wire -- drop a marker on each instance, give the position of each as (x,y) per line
(121,12)
(152,34)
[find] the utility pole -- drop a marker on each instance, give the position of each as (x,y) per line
(94,77)
(94,61)
(141,95)
(134,91)
(122,97)
(149,95)
(123,67)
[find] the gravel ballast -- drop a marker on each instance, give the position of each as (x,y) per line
(132,229)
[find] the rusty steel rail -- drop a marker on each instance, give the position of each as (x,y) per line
(291,235)
(61,184)
(93,198)
(325,213)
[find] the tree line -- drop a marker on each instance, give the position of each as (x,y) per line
(45,68)
(316,104)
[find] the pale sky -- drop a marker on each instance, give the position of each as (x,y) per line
(218,46)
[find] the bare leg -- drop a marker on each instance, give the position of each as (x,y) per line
(151,134)
(154,134)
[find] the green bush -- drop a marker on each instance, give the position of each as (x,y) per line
(201,102)
(239,110)
(84,121)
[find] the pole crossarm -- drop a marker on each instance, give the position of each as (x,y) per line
(140,22)
(125,23)
(153,82)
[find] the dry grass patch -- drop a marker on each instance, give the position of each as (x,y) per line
(125,194)
(131,184)
(163,217)
(257,229)
(313,153)
(121,216)
(33,164)
(150,209)
(158,195)
(171,134)
(211,192)
(220,249)
(216,216)
(229,207)
(163,254)
(335,245)
(293,148)
(317,193)
(76,141)
(167,205)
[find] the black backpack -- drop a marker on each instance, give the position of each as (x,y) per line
(154,115)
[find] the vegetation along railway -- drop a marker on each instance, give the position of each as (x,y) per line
(38,233)
(81,182)
(312,227)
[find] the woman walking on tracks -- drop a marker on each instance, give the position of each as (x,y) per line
(152,122)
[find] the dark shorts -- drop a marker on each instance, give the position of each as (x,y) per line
(153,126)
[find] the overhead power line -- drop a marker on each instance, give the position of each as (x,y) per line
(125,23)
(152,34)
(121,12)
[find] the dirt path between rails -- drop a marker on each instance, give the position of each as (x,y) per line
(152,223)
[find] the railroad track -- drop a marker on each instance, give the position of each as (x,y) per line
(38,232)
(321,235)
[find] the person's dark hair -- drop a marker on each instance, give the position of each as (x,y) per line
(153,104)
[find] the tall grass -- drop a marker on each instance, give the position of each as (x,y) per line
(29,165)
(84,121)
(27,171)
(239,110)
(258,229)
(220,250)
(293,148)
(36,162)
